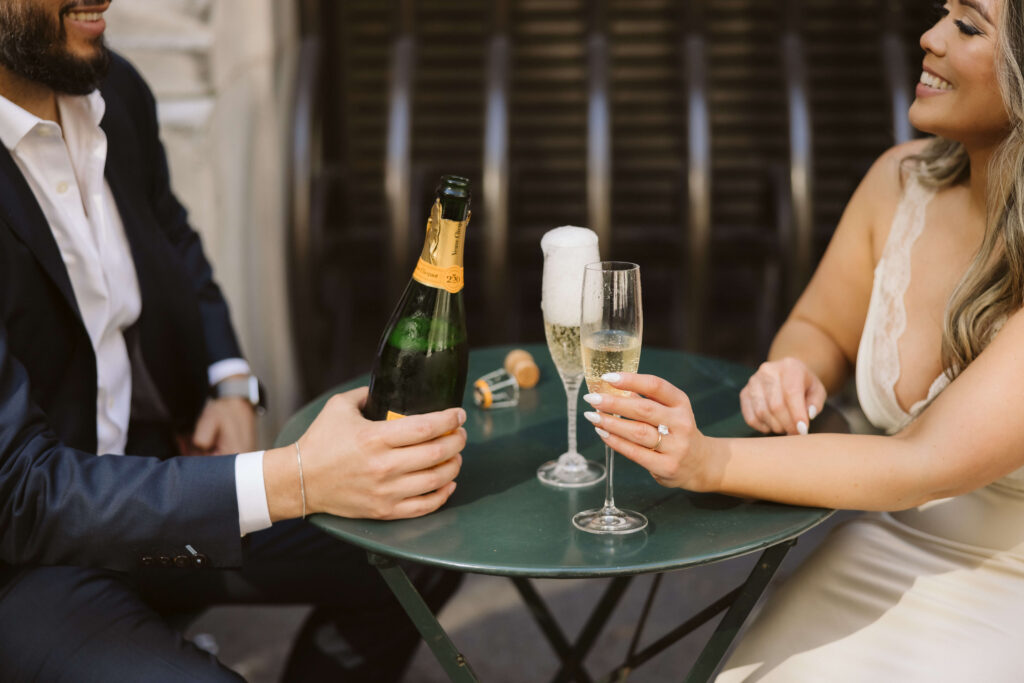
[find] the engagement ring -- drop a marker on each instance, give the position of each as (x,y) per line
(662,431)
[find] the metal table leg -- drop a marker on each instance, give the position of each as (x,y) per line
(595,623)
(542,615)
(450,659)
(711,656)
(572,655)
(737,604)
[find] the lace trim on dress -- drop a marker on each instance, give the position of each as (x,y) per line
(907,225)
(878,366)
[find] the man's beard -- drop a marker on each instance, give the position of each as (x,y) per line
(34,47)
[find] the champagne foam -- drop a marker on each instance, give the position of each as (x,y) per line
(567,236)
(566,251)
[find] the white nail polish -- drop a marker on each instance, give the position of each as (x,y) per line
(593,416)
(611,377)
(601,433)
(593,399)
(812,412)
(801,427)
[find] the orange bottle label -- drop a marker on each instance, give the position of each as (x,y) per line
(449,278)
(440,263)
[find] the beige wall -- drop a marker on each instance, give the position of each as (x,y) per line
(220,70)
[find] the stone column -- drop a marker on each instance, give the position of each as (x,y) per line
(220,73)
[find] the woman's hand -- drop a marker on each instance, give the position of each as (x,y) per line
(658,433)
(782,397)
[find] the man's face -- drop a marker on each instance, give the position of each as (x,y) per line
(56,43)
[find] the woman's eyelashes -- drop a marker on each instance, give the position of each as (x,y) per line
(942,10)
(966,28)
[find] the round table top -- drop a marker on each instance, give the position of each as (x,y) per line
(502,520)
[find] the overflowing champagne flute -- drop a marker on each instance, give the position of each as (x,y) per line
(611,329)
(566,251)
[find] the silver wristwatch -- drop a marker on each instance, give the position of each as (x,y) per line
(248,388)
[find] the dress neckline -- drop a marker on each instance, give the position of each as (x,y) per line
(887,316)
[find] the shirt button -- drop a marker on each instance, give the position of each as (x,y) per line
(181,561)
(62,187)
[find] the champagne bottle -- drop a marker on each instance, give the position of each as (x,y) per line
(422,357)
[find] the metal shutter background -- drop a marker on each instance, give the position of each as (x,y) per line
(348,268)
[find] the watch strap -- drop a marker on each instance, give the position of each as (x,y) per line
(248,388)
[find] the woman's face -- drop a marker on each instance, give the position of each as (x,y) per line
(958,95)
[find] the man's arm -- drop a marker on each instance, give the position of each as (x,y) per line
(63,506)
(225,425)
(218,333)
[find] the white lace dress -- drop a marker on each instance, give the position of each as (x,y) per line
(935,593)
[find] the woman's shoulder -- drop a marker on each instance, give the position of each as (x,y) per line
(883,186)
(893,168)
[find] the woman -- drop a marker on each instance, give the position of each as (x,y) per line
(920,290)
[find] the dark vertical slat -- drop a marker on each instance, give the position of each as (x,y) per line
(599,128)
(305,234)
(801,150)
(897,74)
(698,254)
(398,163)
(496,170)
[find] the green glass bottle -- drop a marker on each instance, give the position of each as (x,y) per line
(422,357)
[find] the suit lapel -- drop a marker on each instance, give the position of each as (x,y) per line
(118,172)
(20,210)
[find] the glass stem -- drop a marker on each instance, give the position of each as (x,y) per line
(609,499)
(572,393)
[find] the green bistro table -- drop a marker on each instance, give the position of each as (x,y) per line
(501,520)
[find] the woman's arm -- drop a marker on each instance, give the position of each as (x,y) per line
(971,435)
(816,348)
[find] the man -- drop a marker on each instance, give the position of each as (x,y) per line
(111,331)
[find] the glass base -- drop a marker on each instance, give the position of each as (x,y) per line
(609,521)
(570,475)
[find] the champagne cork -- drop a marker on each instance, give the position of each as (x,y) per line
(520,364)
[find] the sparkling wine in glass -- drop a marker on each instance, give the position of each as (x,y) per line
(611,329)
(566,251)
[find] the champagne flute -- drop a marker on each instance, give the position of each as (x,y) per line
(611,328)
(566,251)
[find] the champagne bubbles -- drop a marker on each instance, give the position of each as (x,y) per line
(566,251)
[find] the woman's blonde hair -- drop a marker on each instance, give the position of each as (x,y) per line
(993,286)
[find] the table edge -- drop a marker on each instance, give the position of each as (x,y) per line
(322,522)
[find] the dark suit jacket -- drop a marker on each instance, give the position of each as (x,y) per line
(59,502)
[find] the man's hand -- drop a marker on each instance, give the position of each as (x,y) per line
(354,467)
(226,425)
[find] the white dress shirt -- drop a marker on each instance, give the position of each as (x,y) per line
(65,170)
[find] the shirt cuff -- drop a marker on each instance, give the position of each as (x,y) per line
(251,491)
(226,368)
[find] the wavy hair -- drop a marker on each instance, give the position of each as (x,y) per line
(993,286)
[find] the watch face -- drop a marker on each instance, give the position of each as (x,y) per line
(254,390)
